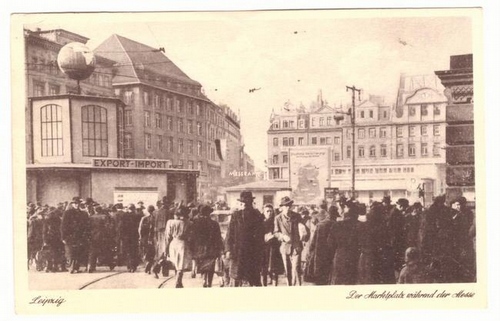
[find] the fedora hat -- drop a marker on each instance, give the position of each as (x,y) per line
(286,201)
(246,196)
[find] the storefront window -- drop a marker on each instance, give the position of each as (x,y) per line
(94,131)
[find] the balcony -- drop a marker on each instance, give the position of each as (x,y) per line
(460,113)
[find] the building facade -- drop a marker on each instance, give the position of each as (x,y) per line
(399,150)
(166,116)
(459,84)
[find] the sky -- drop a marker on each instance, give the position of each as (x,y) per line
(289,55)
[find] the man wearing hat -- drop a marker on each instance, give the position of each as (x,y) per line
(244,242)
(129,235)
(161,216)
(395,227)
(291,232)
(75,234)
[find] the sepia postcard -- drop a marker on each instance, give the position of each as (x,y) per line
(323,160)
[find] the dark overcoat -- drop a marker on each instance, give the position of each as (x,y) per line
(206,238)
(320,259)
(75,231)
(344,240)
(245,242)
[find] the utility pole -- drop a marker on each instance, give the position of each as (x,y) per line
(352,113)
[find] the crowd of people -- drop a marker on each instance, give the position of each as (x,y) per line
(344,243)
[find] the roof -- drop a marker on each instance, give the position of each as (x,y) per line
(137,62)
(260,186)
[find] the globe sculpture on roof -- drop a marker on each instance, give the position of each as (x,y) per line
(76,60)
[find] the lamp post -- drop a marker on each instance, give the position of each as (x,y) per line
(352,113)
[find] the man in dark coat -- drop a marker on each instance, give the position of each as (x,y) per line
(290,230)
(245,242)
(395,228)
(206,244)
(320,258)
(100,241)
(52,240)
(344,240)
(75,228)
(129,236)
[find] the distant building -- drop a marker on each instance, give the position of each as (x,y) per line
(399,149)
(459,83)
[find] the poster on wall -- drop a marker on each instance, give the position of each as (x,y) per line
(309,174)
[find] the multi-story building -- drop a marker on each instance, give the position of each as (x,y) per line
(166,115)
(459,84)
(399,150)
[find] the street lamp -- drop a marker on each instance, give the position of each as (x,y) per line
(352,113)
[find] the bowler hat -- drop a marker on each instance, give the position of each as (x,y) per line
(76,200)
(286,201)
(206,210)
(119,206)
(403,202)
(386,199)
(246,196)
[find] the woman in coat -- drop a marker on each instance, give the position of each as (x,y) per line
(178,236)
(206,244)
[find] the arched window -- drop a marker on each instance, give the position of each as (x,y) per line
(94,131)
(51,130)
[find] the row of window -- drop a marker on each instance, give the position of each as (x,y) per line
(412,130)
(39,89)
(372,152)
(290,141)
(424,150)
(175,104)
(424,109)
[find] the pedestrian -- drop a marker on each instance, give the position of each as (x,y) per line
(344,241)
(162,215)
(291,232)
(319,261)
(129,236)
(146,238)
(272,264)
(117,215)
(75,234)
(52,241)
(100,246)
(178,235)
(206,244)
(35,236)
(413,271)
(244,242)
(376,261)
(413,226)
(395,228)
